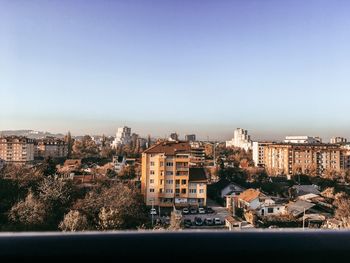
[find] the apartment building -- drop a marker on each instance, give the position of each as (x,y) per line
(16,149)
(259,153)
(240,139)
(168,179)
(51,147)
(340,140)
(190,137)
(345,156)
(122,137)
(288,158)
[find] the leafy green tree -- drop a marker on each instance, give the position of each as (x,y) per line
(48,167)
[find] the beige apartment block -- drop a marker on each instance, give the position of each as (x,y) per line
(313,159)
(15,149)
(168,179)
(51,147)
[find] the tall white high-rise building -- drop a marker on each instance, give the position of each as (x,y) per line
(122,137)
(240,139)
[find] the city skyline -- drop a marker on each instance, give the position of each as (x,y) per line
(227,134)
(200,67)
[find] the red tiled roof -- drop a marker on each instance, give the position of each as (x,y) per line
(169,148)
(249,195)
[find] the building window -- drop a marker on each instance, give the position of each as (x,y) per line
(169,181)
(151,190)
(177,191)
(161,163)
(169,164)
(177,181)
(201,191)
(161,181)
(269,210)
(169,173)
(151,172)
(193,191)
(152,163)
(183,181)
(151,181)
(169,191)
(183,191)
(161,190)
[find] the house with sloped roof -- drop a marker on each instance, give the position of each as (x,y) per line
(298,208)
(250,199)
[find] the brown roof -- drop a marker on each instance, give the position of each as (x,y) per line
(249,195)
(72,162)
(197,175)
(169,148)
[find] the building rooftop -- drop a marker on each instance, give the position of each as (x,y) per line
(249,195)
(306,189)
(70,162)
(15,139)
(297,208)
(169,147)
(197,175)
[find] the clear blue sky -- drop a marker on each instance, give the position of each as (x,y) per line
(273,67)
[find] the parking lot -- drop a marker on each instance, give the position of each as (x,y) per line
(219,212)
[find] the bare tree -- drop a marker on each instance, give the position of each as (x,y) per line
(29,212)
(74,221)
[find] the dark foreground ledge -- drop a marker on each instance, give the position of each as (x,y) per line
(260,246)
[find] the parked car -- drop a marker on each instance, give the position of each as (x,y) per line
(185,211)
(153,211)
(217,221)
(198,221)
(210,210)
(209,221)
(201,210)
(187,222)
(193,210)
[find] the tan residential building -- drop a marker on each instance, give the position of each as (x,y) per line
(314,159)
(258,152)
(345,156)
(15,149)
(51,147)
(168,179)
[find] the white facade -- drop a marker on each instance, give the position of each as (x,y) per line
(302,139)
(240,139)
(123,136)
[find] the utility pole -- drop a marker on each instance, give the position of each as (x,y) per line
(152,212)
(233,207)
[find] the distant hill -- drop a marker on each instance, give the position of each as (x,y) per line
(30,134)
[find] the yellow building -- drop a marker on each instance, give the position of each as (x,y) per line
(168,179)
(16,149)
